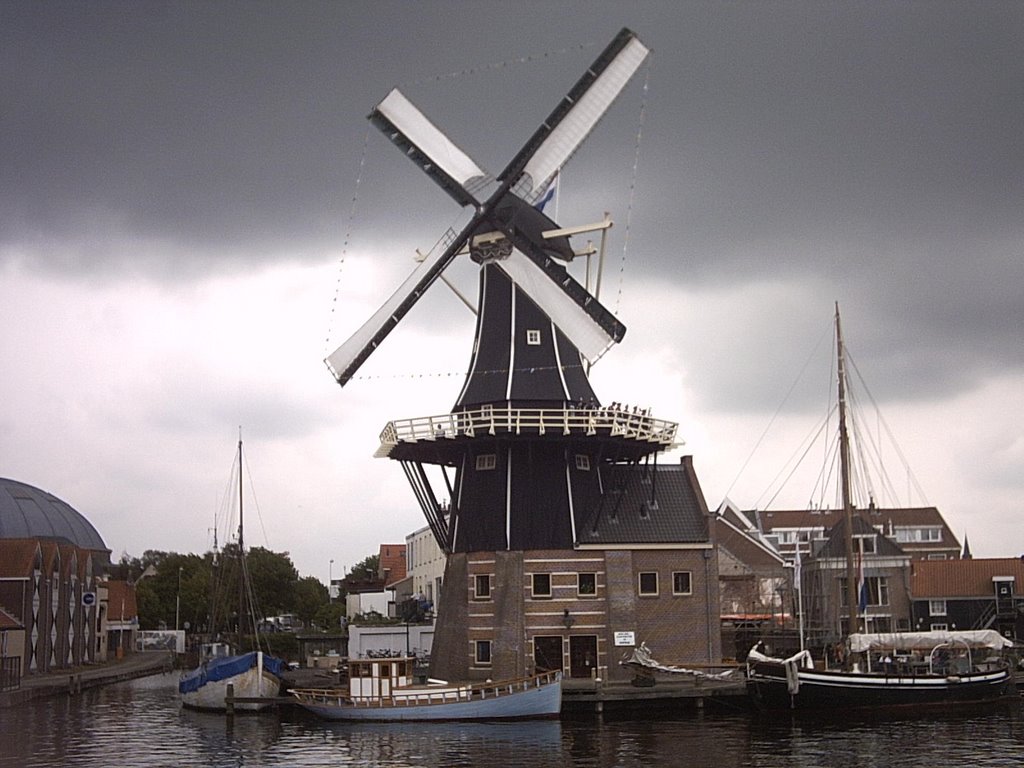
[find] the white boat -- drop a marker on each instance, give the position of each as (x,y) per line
(383,690)
(251,674)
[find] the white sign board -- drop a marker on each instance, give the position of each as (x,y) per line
(625,638)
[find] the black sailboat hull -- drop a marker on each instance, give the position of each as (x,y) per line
(831,691)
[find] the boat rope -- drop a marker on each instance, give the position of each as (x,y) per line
(345,241)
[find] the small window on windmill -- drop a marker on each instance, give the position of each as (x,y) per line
(486,461)
(533,337)
(582,462)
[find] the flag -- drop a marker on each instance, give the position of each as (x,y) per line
(862,583)
(797,569)
(549,193)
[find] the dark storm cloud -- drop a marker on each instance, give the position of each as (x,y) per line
(873,148)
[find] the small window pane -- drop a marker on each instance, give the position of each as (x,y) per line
(533,337)
(483,586)
(541,585)
(681,583)
(582,462)
(587,584)
(483,651)
(486,461)
(649,583)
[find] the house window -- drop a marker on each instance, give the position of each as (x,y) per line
(939,627)
(533,338)
(877,589)
(486,461)
(586,584)
(483,651)
(681,583)
(648,583)
(542,585)
(583,462)
(867,544)
(482,586)
(937,607)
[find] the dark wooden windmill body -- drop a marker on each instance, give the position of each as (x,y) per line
(528,454)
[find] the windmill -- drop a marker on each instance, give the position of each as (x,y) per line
(526,437)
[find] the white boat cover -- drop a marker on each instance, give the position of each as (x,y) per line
(910,641)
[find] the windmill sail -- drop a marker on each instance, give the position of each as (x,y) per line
(508,210)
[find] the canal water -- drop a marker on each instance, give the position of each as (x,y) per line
(140,723)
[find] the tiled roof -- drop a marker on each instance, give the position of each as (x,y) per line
(9,622)
(935,579)
(677,516)
(121,601)
(16,557)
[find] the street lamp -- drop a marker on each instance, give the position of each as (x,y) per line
(177,600)
(330,582)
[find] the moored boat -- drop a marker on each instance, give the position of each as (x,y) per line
(251,674)
(383,690)
(898,670)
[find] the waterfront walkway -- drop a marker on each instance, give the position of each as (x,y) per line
(76,680)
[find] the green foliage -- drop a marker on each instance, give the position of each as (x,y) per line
(310,597)
(328,616)
(365,570)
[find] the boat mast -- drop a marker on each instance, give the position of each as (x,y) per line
(241,553)
(844,469)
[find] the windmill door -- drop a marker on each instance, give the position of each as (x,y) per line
(582,656)
(547,653)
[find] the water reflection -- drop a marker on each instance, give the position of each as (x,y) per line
(141,724)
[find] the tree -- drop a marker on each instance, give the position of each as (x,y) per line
(273,579)
(310,596)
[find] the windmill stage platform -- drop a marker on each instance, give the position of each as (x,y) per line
(628,427)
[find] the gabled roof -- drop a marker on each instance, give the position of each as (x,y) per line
(745,548)
(834,545)
(678,515)
(939,579)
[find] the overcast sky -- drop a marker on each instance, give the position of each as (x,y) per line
(194,212)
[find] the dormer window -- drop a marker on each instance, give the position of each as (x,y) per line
(533,337)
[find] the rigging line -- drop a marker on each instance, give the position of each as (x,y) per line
(775,415)
(347,239)
(891,436)
(810,440)
(256,503)
(497,65)
(632,182)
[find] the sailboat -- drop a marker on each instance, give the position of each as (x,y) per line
(253,674)
(908,670)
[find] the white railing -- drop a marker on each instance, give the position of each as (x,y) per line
(630,424)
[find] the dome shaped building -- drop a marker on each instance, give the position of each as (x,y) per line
(51,560)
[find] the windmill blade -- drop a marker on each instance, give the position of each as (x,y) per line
(346,359)
(568,125)
(549,292)
(427,146)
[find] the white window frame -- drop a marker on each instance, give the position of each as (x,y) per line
(689,581)
(581,593)
(937,608)
(582,462)
(533,337)
(478,647)
(639,584)
(478,579)
(533,587)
